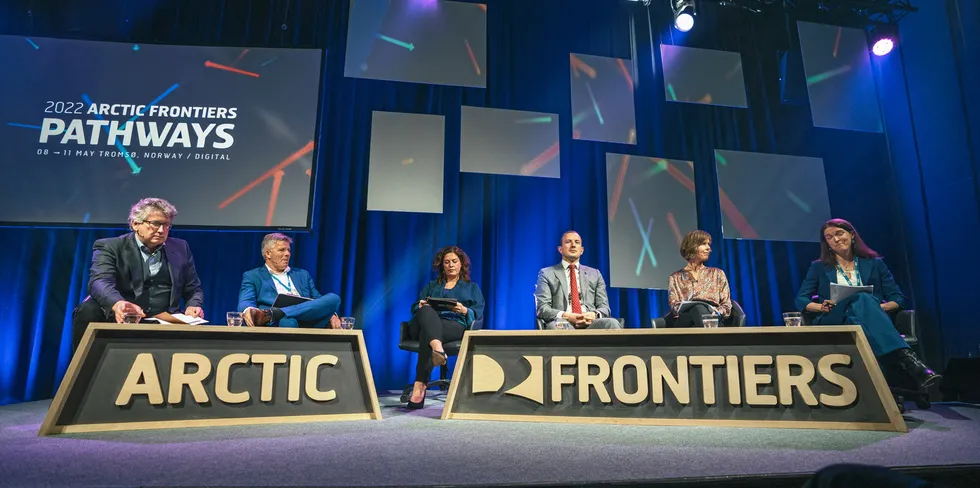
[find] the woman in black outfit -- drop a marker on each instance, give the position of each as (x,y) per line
(432,327)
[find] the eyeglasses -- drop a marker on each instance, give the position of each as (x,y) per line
(158,224)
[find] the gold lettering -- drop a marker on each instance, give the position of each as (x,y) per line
(146,368)
(786,380)
(586,379)
(619,387)
(679,386)
(222,379)
(707,364)
(734,385)
(295,369)
(268,362)
(312,377)
(753,380)
(180,377)
(848,390)
(557,378)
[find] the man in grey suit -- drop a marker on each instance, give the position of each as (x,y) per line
(573,292)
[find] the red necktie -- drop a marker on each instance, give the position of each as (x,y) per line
(573,284)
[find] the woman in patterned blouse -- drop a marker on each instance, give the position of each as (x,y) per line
(707,287)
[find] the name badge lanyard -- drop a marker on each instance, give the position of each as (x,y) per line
(857,275)
(288,288)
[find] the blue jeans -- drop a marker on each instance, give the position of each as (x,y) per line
(315,313)
(863,309)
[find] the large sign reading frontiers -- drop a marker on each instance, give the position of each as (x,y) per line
(143,377)
(809,377)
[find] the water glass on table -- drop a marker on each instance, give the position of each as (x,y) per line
(562,324)
(234,319)
(710,321)
(347,323)
(793,319)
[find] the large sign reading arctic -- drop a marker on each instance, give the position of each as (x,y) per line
(224,133)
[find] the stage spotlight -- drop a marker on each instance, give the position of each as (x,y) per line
(684,13)
(882,40)
(883,46)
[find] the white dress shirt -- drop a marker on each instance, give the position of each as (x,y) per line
(284,284)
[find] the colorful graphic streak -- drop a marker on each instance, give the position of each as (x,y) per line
(436,42)
(657,200)
(603,87)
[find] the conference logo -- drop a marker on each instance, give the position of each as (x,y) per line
(143,378)
(651,380)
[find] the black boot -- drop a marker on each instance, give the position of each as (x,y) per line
(923,376)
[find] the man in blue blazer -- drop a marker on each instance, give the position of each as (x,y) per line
(262,285)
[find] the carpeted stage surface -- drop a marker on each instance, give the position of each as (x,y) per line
(418,448)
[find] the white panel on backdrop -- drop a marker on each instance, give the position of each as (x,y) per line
(771,197)
(651,204)
(509,142)
(406,163)
(704,76)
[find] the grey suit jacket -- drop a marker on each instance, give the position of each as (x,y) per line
(551,293)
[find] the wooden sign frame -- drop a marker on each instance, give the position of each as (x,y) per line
(49,427)
(895,423)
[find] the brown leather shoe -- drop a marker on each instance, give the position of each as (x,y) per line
(256,318)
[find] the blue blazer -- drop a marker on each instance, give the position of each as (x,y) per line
(467,292)
(258,289)
(873,272)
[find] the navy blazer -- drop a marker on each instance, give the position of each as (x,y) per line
(467,292)
(117,272)
(258,289)
(873,272)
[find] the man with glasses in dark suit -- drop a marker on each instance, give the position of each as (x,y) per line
(144,273)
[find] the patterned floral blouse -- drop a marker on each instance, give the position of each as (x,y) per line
(711,286)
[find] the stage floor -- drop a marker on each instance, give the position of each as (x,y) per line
(412,448)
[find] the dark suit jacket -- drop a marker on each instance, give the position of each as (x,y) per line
(117,272)
(258,289)
(873,272)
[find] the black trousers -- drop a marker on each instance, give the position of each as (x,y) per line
(425,326)
(85,313)
(690,317)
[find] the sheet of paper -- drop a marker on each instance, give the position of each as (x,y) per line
(843,292)
(187,319)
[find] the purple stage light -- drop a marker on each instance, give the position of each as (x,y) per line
(883,46)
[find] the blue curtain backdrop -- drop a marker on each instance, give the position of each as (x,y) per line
(510,226)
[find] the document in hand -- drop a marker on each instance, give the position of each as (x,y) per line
(284,300)
(843,292)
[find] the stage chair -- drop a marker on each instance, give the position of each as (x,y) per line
(406,343)
(899,383)
(736,319)
(540,323)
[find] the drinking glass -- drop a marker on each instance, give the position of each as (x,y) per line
(347,323)
(234,319)
(131,318)
(710,321)
(793,319)
(562,324)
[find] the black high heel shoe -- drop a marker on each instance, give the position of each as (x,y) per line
(416,405)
